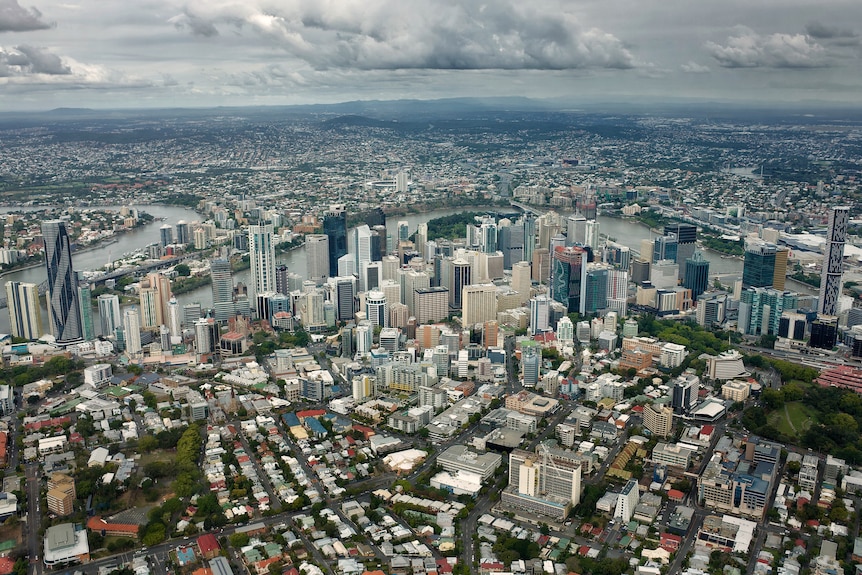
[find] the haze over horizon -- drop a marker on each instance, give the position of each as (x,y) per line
(202,53)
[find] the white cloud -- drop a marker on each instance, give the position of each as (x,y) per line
(751,50)
(692,67)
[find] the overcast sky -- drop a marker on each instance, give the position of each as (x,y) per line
(148,53)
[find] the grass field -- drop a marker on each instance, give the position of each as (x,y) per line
(792,420)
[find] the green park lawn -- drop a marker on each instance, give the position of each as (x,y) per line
(793,419)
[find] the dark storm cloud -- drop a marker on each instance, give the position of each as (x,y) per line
(747,49)
(389,34)
(15,18)
(27,60)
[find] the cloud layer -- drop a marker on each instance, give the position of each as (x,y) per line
(15,18)
(751,50)
(392,34)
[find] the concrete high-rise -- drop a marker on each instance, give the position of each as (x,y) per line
(317,257)
(335,228)
(64,308)
(480,304)
(85,300)
(282,279)
(132,331)
(261,251)
(109,313)
(522,280)
(222,289)
(833,260)
(25,314)
(376,308)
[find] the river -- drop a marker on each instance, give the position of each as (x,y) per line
(625,232)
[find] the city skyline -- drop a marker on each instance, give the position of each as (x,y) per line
(61,54)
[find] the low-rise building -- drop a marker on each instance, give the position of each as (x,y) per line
(65,544)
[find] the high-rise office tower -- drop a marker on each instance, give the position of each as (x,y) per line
(360,246)
(696,277)
(25,315)
(594,289)
(344,295)
(541,265)
(335,228)
(430,304)
(576,230)
(833,260)
(261,251)
(665,248)
(758,268)
(132,331)
(64,309)
(591,234)
(511,243)
(282,279)
(488,236)
(222,288)
(109,313)
(461,275)
(85,300)
(421,238)
(166,235)
(403,231)
(378,242)
(376,308)
(522,280)
(317,257)
(569,274)
(686,238)
(640,270)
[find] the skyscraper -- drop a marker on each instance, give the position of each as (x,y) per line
(335,228)
(109,313)
(569,274)
(64,308)
(132,331)
(174,319)
(360,246)
(591,234)
(376,308)
(25,315)
(665,248)
(686,237)
(282,279)
(480,304)
(758,268)
(696,277)
(317,257)
(833,260)
(222,288)
(261,251)
(166,235)
(85,300)
(461,275)
(529,236)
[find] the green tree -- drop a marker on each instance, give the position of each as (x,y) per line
(182,270)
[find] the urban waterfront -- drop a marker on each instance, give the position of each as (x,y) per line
(624,231)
